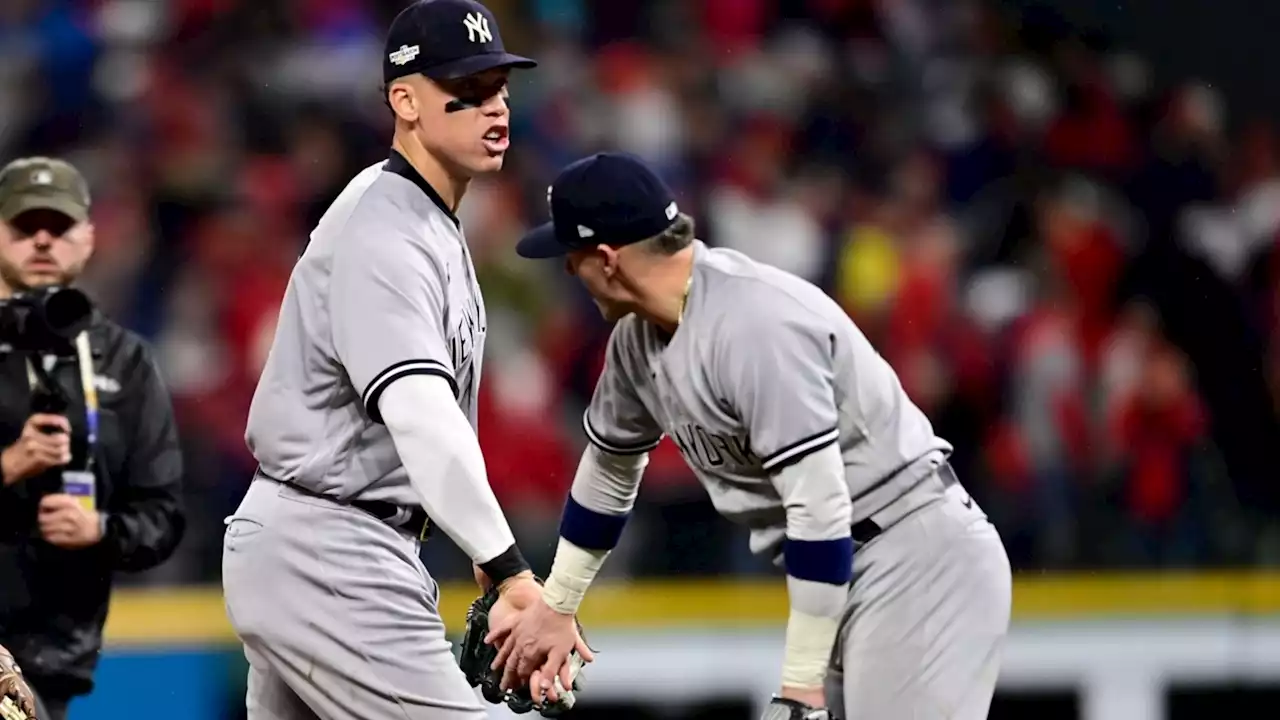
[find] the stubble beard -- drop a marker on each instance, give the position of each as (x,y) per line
(15,281)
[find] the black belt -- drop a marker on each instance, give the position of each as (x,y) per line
(864,531)
(412,519)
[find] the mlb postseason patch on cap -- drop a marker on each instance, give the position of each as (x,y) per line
(404,55)
(446,39)
(42,183)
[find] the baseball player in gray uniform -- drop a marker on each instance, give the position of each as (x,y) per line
(899,587)
(362,421)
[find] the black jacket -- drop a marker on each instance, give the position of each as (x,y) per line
(53,602)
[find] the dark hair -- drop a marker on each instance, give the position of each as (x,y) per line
(678,236)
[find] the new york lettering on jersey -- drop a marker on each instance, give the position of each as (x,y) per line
(469,327)
(711,450)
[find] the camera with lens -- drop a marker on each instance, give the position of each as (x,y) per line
(40,322)
(44,320)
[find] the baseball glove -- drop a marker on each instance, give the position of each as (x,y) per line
(16,700)
(10,710)
(475,658)
(785,709)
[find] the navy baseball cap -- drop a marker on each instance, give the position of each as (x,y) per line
(444,40)
(605,199)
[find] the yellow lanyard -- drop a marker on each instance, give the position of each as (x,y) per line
(84,358)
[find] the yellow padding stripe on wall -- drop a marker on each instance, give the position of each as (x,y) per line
(197,616)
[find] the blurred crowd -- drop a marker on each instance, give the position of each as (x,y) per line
(1071,266)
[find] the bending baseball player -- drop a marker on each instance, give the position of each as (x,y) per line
(899,587)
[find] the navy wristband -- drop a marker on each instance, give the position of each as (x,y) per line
(824,561)
(588,529)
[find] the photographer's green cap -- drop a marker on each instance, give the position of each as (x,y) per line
(42,183)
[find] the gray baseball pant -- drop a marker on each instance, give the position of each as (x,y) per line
(337,614)
(927,617)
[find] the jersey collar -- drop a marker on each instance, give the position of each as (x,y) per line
(399,165)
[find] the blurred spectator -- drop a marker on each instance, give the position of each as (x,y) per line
(755,209)
(1157,428)
(1092,133)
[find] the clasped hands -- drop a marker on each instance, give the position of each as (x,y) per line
(534,641)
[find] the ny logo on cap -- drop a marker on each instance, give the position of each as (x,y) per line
(42,177)
(405,54)
(477,28)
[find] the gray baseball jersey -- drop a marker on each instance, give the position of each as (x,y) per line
(764,369)
(386,288)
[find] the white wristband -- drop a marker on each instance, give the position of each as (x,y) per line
(808,653)
(572,572)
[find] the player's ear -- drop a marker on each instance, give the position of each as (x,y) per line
(608,259)
(403,101)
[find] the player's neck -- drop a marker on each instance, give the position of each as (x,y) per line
(667,287)
(448,186)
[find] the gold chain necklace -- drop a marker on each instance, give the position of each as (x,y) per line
(684,299)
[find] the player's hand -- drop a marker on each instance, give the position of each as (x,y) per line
(784,708)
(13,687)
(536,644)
(37,451)
(514,594)
(813,697)
(518,590)
(66,523)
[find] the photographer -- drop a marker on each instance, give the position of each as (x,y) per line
(90,465)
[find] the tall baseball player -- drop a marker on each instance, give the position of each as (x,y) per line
(900,589)
(362,421)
